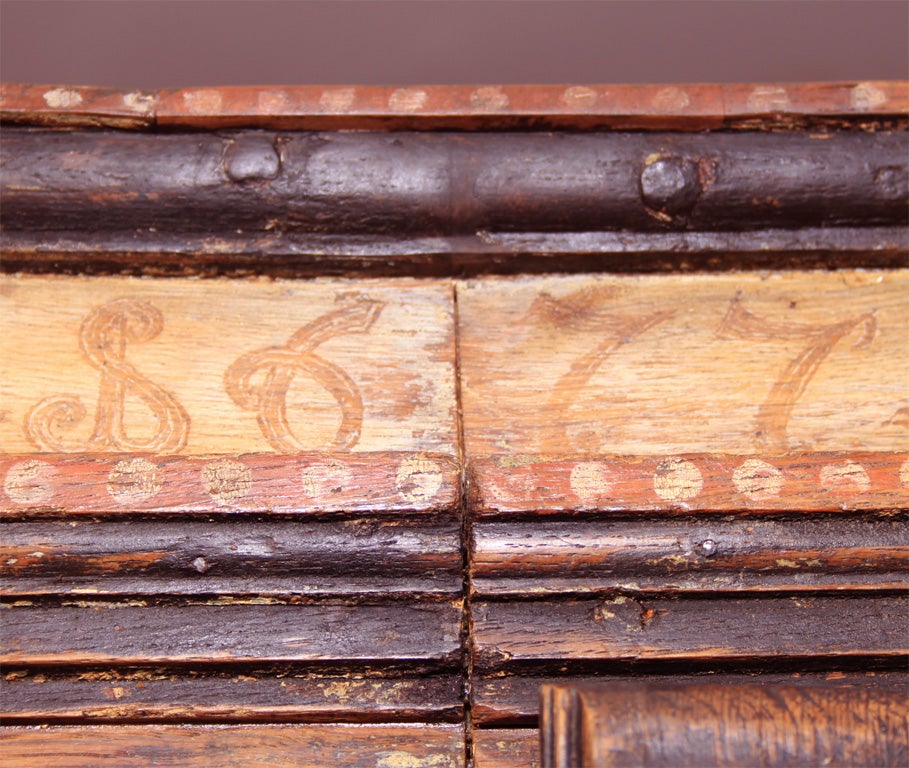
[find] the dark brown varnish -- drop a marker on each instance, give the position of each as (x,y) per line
(651,725)
(328,634)
(277,695)
(548,634)
(178,557)
(436,184)
(514,700)
(688,555)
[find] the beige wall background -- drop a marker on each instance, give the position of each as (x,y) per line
(170,43)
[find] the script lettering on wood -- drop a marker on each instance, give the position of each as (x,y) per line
(588,365)
(103,339)
(583,310)
(773,415)
(234,367)
(279,366)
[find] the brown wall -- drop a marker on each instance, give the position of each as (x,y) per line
(151,44)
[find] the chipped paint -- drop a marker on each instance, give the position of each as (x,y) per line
(407,99)
(867,96)
(62,98)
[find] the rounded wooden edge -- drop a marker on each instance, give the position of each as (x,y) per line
(670,106)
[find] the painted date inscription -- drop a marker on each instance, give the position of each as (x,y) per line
(259,380)
(774,413)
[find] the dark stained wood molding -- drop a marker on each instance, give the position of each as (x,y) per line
(305,204)
(666,725)
(614,631)
(292,255)
(289,696)
(278,746)
(359,556)
(440,184)
(327,634)
(700,554)
(677,107)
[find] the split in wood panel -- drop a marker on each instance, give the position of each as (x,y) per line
(755,364)
(280,746)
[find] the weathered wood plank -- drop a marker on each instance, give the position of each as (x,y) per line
(506,748)
(442,184)
(118,364)
(621,629)
(746,363)
(167,557)
(279,746)
(284,696)
(514,700)
(415,633)
(692,555)
(308,485)
(655,724)
(67,106)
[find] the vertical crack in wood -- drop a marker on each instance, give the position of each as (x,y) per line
(463,508)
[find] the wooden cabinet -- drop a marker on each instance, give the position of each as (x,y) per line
(335,423)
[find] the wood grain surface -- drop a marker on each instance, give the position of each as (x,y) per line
(485,107)
(223,631)
(690,555)
(279,746)
(436,184)
(333,521)
(747,363)
(280,558)
(160,366)
(555,633)
(506,748)
(655,724)
(499,701)
(314,255)
(154,695)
